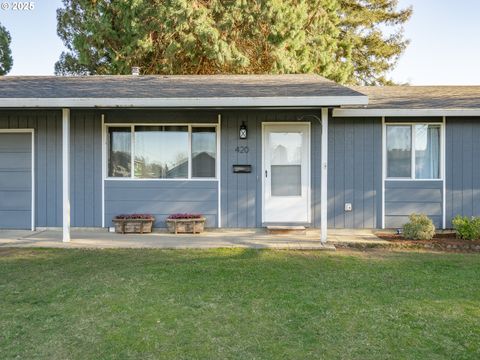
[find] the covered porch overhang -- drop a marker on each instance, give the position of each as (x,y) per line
(322,118)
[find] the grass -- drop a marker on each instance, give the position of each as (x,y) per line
(238,304)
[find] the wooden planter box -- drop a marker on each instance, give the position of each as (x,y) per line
(194,226)
(138,226)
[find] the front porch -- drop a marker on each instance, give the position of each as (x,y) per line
(213,238)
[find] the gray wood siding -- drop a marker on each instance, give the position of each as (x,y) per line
(354,172)
(242,193)
(48,162)
(462,167)
(15,181)
(403,198)
(161,198)
(86,168)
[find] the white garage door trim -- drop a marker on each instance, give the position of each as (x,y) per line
(32,132)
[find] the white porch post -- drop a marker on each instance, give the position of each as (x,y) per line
(66,173)
(324,177)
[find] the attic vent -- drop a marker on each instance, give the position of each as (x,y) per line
(136,70)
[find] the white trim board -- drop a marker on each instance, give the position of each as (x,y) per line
(444,171)
(195,102)
(32,132)
(104,167)
(404,112)
(324,177)
(66,211)
(219,171)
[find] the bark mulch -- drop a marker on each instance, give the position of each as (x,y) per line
(441,241)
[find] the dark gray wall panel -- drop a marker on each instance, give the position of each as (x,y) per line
(86,168)
(462,167)
(403,198)
(395,222)
(354,172)
(161,198)
(160,116)
(48,160)
(15,180)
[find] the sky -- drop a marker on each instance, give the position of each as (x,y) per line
(444,47)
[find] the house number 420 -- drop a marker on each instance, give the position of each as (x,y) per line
(242,149)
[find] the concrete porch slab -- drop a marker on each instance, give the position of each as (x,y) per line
(242,238)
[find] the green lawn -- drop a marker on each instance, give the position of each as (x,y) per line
(238,304)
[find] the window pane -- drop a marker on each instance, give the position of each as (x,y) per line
(427,151)
(161,152)
(204,152)
(286,148)
(286,180)
(399,151)
(119,152)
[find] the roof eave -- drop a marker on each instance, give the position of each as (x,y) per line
(405,112)
(213,102)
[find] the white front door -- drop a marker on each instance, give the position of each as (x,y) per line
(286,173)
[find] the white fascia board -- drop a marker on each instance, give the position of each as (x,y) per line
(404,112)
(218,102)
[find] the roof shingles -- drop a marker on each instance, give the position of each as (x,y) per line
(420,97)
(175,86)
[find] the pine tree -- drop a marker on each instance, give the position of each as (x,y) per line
(335,38)
(6,60)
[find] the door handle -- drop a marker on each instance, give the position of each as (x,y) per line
(266,173)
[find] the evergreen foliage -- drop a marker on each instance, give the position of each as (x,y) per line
(343,40)
(6,60)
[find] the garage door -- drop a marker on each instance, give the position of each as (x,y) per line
(15,180)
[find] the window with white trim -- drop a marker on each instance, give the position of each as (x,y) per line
(413,151)
(162,151)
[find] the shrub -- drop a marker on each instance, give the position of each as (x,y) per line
(419,227)
(467,228)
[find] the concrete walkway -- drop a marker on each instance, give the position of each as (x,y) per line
(255,238)
(221,238)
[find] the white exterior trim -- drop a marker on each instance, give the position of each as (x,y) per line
(384,169)
(104,167)
(404,112)
(219,172)
(195,102)
(33,180)
(324,178)
(66,174)
(444,172)
(32,203)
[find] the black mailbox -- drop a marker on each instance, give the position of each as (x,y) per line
(242,169)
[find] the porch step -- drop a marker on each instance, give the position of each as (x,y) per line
(286,230)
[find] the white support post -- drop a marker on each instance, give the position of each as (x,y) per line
(443,144)
(66,173)
(324,177)
(219,172)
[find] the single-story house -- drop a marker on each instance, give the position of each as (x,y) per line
(246,151)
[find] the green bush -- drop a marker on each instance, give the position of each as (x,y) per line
(467,228)
(419,227)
